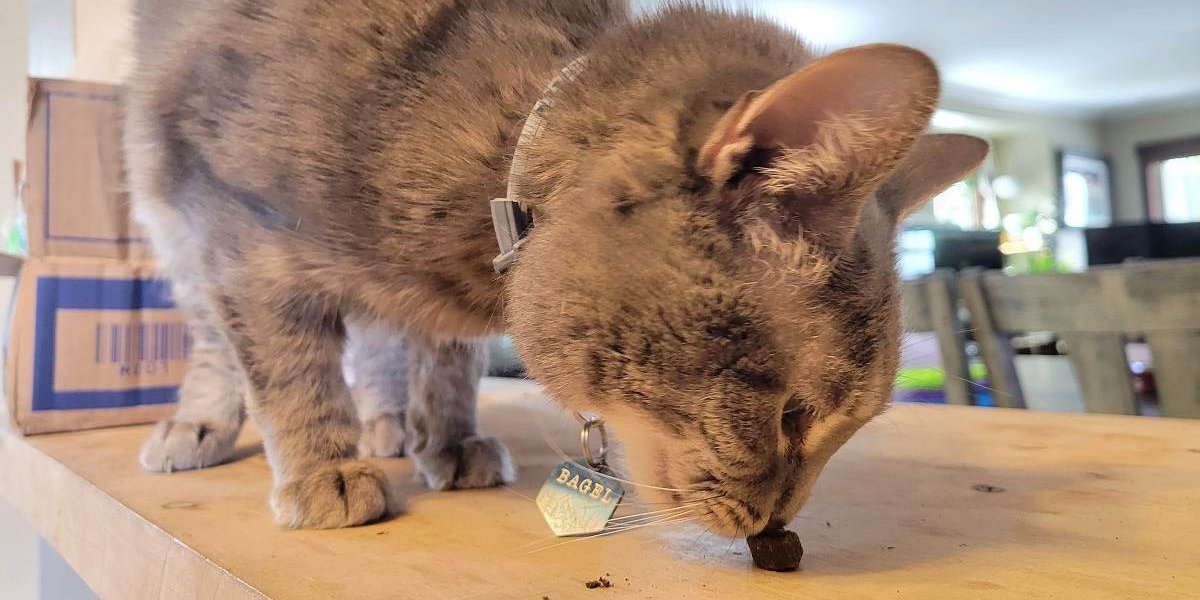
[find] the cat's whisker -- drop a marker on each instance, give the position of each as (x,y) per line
(664,522)
(655,521)
(655,487)
(930,334)
(970,382)
(647,516)
(737,533)
(552,444)
(625,522)
(548,538)
(511,490)
(669,503)
(661,510)
(562,454)
(979,385)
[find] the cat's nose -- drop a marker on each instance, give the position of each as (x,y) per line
(775,522)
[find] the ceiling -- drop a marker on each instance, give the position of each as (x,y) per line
(1079,57)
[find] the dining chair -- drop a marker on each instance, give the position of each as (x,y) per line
(930,304)
(1093,313)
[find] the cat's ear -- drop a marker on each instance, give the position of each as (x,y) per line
(935,163)
(821,139)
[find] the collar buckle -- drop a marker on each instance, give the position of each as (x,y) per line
(512,221)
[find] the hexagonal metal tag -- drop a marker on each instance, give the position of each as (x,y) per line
(576,500)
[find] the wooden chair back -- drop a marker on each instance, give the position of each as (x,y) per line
(931,304)
(1092,313)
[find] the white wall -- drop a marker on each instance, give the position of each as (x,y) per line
(93,45)
(1025,146)
(13,98)
(88,40)
(103,40)
(1121,136)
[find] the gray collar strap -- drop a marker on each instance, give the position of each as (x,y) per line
(512,218)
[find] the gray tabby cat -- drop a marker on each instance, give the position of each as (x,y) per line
(711,265)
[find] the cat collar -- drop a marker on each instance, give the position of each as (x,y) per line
(512,218)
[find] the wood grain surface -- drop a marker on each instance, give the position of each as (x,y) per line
(1073,506)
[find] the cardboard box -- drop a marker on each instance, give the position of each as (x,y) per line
(93,338)
(92,343)
(76,203)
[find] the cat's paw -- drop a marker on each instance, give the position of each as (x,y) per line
(382,436)
(180,445)
(330,496)
(475,462)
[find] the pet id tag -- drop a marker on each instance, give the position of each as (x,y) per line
(578,499)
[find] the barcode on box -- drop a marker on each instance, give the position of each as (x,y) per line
(142,348)
(106,342)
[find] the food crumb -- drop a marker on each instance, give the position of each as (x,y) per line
(987,489)
(891,547)
(828,524)
(601,582)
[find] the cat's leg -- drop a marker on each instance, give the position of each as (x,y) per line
(289,341)
(375,359)
(212,398)
(443,380)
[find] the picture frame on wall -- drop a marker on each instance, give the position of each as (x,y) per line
(1084,190)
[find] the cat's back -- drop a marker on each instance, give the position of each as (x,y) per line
(220,81)
(298,101)
(347,139)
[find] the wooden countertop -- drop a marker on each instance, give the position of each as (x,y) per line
(1093,507)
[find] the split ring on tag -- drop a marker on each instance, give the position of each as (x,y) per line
(600,460)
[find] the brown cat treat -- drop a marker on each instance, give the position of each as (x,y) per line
(710,265)
(776,550)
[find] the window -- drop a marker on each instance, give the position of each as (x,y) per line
(968,205)
(1171,173)
(1084,190)
(1179,189)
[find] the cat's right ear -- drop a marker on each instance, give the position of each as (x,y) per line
(821,139)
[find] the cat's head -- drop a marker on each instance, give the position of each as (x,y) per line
(727,299)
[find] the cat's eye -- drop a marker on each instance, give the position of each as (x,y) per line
(796,420)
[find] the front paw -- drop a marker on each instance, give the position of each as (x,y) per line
(330,496)
(180,445)
(475,462)
(382,436)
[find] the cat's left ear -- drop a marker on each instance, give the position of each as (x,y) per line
(810,148)
(936,162)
